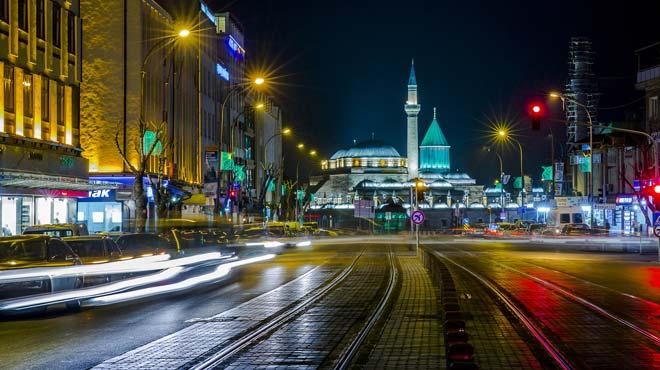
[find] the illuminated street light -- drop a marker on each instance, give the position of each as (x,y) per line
(259,81)
(184,33)
(301,146)
(312,153)
(286,131)
(259,106)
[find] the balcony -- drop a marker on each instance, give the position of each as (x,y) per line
(648,76)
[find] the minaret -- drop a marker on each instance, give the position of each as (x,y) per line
(412,110)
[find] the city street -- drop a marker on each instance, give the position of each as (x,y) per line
(374,303)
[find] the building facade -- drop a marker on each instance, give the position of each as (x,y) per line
(41,168)
(268,150)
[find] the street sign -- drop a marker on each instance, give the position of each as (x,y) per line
(418,217)
(505,179)
(656,231)
(656,218)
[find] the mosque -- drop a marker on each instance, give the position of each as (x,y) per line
(375,170)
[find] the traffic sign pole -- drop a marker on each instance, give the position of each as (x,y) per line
(656,229)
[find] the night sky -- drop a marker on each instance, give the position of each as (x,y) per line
(344,66)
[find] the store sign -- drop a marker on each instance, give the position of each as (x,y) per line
(624,200)
(235,47)
(221,71)
(209,14)
(101,195)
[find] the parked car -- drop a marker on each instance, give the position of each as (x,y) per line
(58,230)
(94,248)
(144,244)
(37,251)
(576,229)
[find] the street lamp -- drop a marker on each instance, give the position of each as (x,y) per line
(301,146)
(591,147)
(184,33)
(506,137)
(489,149)
(259,81)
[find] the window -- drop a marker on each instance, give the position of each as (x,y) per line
(45,98)
(58,251)
(4,10)
(565,218)
(57,18)
(71,33)
(60,103)
(23,15)
(653,107)
(9,88)
(41,20)
(32,250)
(28,96)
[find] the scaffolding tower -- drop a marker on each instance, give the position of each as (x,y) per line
(581,87)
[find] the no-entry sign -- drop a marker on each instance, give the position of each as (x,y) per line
(417,217)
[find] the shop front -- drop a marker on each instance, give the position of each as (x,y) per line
(101,211)
(20,210)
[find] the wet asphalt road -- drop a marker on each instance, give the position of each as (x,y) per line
(625,284)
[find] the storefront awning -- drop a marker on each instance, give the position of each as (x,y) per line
(35,181)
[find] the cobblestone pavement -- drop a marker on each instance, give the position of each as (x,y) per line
(588,339)
(208,334)
(412,336)
(316,337)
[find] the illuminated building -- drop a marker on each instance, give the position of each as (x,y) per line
(374,169)
(122,33)
(41,167)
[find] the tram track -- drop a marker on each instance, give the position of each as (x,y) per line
(552,349)
(653,338)
(241,346)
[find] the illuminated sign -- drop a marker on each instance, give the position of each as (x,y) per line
(624,200)
(222,71)
(205,9)
(235,47)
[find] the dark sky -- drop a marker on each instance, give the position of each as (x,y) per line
(345,65)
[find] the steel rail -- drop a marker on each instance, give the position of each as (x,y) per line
(592,306)
(239,344)
(584,302)
(536,332)
(349,354)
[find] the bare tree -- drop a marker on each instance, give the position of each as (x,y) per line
(139,171)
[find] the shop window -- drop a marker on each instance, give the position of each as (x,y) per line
(565,218)
(9,88)
(28,96)
(23,15)
(45,98)
(41,20)
(71,33)
(57,25)
(4,10)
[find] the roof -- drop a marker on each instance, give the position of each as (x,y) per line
(412,80)
(368,149)
(434,135)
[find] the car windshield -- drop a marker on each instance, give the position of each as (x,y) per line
(88,248)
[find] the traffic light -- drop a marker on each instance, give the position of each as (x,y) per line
(651,192)
(536,113)
(232,194)
(420,188)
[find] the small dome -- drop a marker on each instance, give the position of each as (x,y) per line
(368,149)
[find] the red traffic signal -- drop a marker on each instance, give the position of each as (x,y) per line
(232,194)
(656,190)
(536,112)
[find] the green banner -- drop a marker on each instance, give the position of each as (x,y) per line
(149,141)
(517,183)
(585,166)
(547,173)
(239,173)
(226,162)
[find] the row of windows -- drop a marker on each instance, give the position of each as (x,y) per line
(339,163)
(28,95)
(23,17)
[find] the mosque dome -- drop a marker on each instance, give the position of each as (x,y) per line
(368,149)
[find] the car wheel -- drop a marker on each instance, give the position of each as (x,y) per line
(75,305)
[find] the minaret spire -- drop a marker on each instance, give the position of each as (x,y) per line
(434,116)
(412,80)
(412,109)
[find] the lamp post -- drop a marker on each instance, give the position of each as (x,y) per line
(285,131)
(258,81)
(504,135)
(499,157)
(179,35)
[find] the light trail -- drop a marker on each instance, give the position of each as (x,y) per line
(220,272)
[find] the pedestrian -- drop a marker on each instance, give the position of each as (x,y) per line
(6,231)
